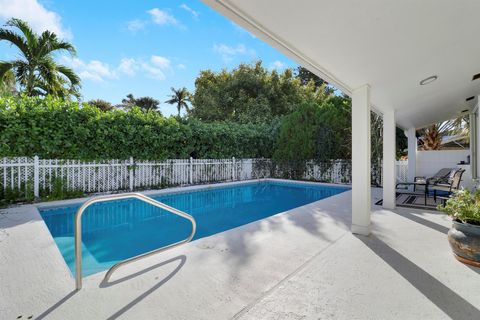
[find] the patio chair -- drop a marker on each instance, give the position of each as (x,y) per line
(444,190)
(442,175)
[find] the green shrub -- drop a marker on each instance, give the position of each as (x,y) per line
(52,128)
(463,206)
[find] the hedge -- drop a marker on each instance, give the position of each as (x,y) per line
(52,128)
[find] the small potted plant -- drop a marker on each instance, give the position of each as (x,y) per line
(464,235)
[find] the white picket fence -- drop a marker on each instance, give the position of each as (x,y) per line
(41,176)
(402,171)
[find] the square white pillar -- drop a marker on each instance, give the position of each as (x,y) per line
(361,164)
(389,166)
(412,154)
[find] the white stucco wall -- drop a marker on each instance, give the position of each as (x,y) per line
(429,162)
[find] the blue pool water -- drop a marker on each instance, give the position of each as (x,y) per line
(117,230)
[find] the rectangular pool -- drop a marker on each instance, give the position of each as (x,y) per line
(117,230)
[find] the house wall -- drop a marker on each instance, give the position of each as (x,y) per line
(429,162)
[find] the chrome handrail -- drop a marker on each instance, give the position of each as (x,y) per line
(139,196)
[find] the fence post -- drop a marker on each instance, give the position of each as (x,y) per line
(131,174)
(233,168)
(36,177)
(190,176)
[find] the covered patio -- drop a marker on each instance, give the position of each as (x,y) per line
(319,269)
(414,63)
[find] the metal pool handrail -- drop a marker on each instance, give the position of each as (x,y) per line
(139,196)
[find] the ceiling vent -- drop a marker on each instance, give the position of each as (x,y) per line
(470,98)
(476,76)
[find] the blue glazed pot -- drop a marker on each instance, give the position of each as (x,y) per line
(464,239)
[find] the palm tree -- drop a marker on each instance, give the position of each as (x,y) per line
(37,72)
(180,97)
(431,137)
(144,103)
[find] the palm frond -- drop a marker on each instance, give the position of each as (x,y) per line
(69,74)
(4,68)
(23,26)
(17,40)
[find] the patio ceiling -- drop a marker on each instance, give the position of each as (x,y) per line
(389,44)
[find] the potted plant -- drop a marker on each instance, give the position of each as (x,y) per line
(464,235)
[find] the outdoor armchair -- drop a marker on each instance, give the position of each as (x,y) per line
(444,190)
(442,175)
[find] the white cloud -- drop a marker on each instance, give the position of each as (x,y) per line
(161,17)
(128,66)
(161,62)
(135,25)
(39,18)
(194,13)
(181,66)
(93,70)
(228,53)
(156,68)
(278,65)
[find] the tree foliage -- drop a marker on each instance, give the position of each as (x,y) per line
(101,104)
(249,93)
(316,131)
(144,103)
(180,97)
(36,71)
(431,137)
(7,83)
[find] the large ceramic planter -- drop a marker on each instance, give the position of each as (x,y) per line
(464,239)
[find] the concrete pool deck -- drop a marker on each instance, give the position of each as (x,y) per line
(301,264)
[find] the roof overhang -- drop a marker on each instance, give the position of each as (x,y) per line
(390,45)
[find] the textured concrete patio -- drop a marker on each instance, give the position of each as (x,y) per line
(302,264)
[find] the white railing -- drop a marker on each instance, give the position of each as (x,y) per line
(42,176)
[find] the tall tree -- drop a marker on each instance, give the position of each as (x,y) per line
(180,97)
(36,71)
(101,104)
(305,76)
(249,93)
(144,103)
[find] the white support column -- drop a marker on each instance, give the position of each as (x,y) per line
(412,154)
(361,164)
(389,167)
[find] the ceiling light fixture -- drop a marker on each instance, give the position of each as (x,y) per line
(428,80)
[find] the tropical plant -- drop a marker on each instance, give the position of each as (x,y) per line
(180,97)
(7,84)
(463,206)
(144,103)
(101,104)
(36,71)
(432,136)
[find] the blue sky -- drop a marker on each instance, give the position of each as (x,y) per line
(141,47)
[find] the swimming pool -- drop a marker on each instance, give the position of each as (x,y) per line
(117,230)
